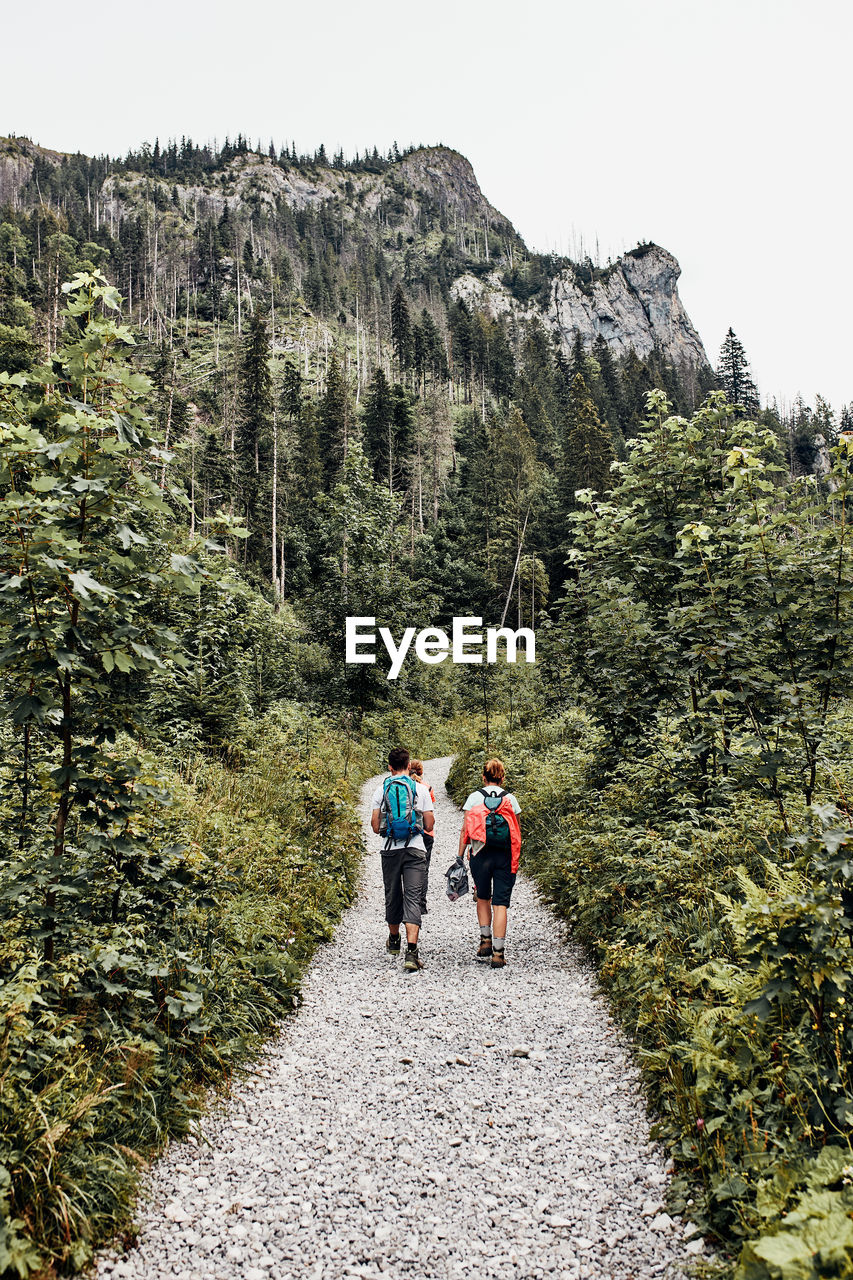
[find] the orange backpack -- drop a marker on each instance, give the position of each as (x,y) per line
(485,823)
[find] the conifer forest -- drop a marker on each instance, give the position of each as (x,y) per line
(246,394)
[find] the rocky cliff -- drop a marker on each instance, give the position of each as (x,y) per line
(424,208)
(633,303)
(17,162)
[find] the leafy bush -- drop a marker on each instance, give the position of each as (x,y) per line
(106,1052)
(725,949)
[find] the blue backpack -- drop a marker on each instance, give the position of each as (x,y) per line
(398,805)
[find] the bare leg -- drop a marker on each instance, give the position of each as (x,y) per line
(412,931)
(499,922)
(484,912)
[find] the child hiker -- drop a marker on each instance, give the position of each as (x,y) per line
(416,771)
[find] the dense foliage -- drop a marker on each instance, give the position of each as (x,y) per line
(177,833)
(689,814)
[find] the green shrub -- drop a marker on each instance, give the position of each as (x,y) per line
(724,947)
(105,1053)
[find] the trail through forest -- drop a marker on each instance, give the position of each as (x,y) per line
(455,1122)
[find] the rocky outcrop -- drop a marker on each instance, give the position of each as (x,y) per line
(17,162)
(244,180)
(633,303)
(428,199)
(446,178)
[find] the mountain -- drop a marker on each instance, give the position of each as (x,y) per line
(633,302)
(177,222)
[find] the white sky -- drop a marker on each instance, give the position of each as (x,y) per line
(718,128)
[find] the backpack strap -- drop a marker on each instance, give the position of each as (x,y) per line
(481,791)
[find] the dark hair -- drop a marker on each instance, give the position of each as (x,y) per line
(398,758)
(494,771)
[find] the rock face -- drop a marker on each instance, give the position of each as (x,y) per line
(446,178)
(424,187)
(426,204)
(245,180)
(17,161)
(634,303)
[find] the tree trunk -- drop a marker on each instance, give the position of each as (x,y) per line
(168,420)
(420,492)
(62,811)
(274,500)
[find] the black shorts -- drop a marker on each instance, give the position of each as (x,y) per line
(493,876)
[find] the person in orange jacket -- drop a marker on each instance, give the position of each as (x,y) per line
(491,835)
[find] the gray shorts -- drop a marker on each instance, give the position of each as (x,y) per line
(404,872)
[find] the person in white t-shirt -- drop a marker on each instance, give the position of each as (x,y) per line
(402,810)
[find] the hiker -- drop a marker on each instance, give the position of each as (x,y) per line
(416,771)
(402,811)
(491,833)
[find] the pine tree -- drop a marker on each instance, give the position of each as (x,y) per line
(255,419)
(502,363)
(734,377)
(333,422)
(587,447)
(292,391)
(434,354)
(378,417)
(516,477)
(459,321)
(400,444)
(401,330)
(538,391)
(388,432)
(609,392)
(636,380)
(302,445)
(308,458)
(577,362)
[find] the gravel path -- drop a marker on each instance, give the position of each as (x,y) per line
(451,1123)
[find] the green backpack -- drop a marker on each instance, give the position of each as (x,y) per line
(498,838)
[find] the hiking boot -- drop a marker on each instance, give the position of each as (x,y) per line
(498,960)
(412,962)
(392,946)
(484,951)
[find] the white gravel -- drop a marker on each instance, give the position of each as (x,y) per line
(455,1122)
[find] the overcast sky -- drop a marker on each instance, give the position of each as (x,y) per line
(718,128)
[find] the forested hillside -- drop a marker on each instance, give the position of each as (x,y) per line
(300,311)
(246,394)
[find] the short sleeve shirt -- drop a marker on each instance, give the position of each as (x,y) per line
(423,804)
(476,797)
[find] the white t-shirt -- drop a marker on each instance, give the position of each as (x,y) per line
(423,804)
(476,797)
